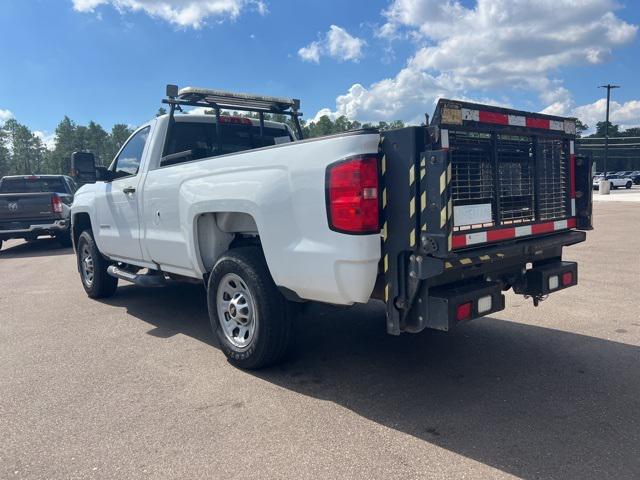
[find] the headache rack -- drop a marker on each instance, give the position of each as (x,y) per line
(476,180)
(218,100)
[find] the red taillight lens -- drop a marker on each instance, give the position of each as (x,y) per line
(352,195)
(463,311)
(56,204)
(567,278)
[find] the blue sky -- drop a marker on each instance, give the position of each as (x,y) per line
(109,60)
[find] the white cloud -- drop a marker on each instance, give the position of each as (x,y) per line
(490,46)
(182,13)
(310,53)
(626,114)
(5,115)
(48,139)
(337,43)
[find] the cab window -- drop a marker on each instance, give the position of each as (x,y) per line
(196,140)
(128,161)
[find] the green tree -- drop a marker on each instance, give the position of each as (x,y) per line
(5,157)
(26,152)
(161,111)
(66,142)
(631,132)
(96,139)
(614,130)
(119,134)
(580,128)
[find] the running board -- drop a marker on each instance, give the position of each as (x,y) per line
(148,280)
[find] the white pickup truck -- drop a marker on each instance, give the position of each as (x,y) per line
(436,221)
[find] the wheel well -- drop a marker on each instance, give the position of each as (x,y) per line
(81,222)
(218,232)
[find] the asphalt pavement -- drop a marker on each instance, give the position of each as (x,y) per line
(136,387)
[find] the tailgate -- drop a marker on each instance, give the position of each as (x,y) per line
(478,176)
(25,207)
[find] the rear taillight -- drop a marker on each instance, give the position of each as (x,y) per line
(56,204)
(352,195)
(463,311)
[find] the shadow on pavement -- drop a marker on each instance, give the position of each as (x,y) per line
(42,247)
(530,401)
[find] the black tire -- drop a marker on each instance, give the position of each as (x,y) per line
(101,285)
(628,185)
(64,239)
(271,335)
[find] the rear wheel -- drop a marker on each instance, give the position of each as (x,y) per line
(628,185)
(248,314)
(93,268)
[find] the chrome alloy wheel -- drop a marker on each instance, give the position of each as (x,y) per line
(86,265)
(236,310)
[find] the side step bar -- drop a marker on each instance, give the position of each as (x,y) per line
(148,280)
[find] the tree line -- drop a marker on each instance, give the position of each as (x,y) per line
(23,152)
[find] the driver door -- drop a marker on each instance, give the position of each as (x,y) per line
(117,201)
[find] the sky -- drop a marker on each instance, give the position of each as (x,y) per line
(372,60)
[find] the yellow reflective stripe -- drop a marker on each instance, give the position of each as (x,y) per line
(484,258)
(443,216)
(423,201)
(465,261)
(384,164)
(443,181)
(386,263)
(412,207)
(412,175)
(384,198)
(412,237)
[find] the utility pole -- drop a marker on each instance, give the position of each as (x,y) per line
(609,87)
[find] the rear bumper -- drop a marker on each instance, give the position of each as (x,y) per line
(22,231)
(483,273)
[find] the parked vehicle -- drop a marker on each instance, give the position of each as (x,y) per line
(635,176)
(616,181)
(435,221)
(35,205)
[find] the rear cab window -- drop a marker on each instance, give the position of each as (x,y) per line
(197,140)
(33,185)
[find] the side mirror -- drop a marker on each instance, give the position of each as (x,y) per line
(103,174)
(83,167)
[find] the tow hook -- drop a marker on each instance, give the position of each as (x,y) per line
(536,298)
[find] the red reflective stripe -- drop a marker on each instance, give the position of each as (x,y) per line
(537,123)
(502,234)
(493,117)
(572,175)
(459,241)
(571,223)
(542,228)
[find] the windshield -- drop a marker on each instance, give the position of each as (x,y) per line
(32,185)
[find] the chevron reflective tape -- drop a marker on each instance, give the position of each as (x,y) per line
(500,234)
(500,118)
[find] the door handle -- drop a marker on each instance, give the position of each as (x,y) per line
(129,190)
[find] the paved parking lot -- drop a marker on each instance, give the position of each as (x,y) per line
(135,387)
(619,195)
